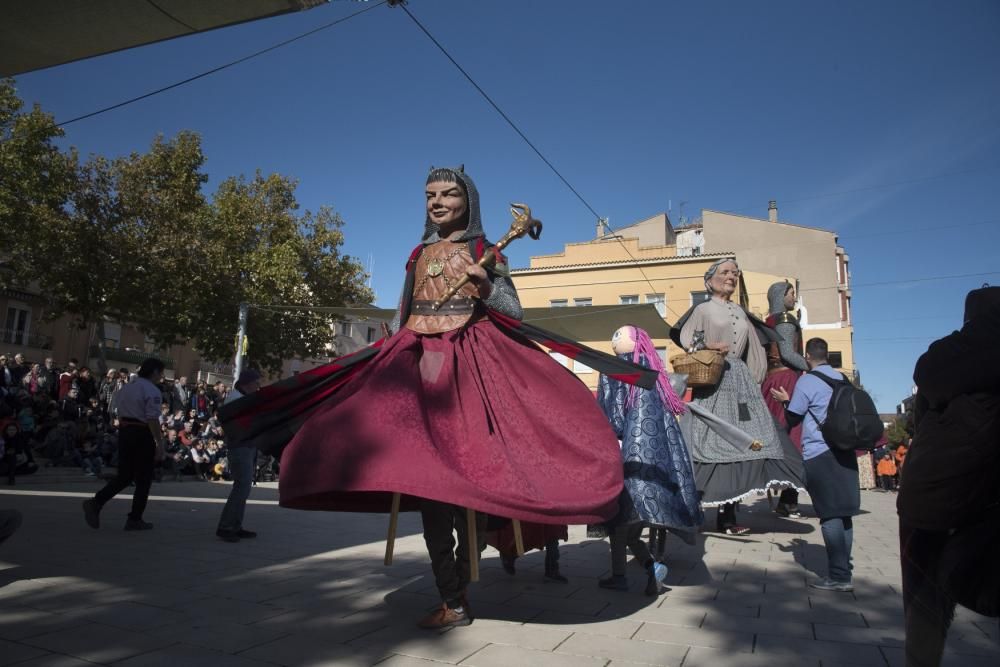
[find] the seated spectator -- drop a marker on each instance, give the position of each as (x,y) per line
(14,445)
(59,444)
(164,415)
(187,435)
(201,459)
(88,456)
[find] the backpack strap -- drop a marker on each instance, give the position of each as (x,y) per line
(830,381)
(833,385)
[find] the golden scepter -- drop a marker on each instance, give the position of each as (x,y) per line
(523,225)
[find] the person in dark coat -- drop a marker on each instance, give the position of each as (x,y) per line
(949,494)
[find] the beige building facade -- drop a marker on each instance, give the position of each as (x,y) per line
(641,267)
(812,259)
(650,262)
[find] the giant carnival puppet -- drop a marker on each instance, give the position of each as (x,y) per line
(785,362)
(659,489)
(457,414)
(735,444)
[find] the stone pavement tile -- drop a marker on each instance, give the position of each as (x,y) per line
(188,656)
(11,652)
(129,615)
(733,639)
(336,628)
(712,657)
(739,609)
(792,626)
(407,661)
(323,601)
(590,625)
(546,603)
(496,655)
(671,614)
(537,638)
(449,646)
(896,657)
(55,660)
(970,645)
(811,648)
(20,622)
(235,611)
(218,635)
(311,650)
(61,600)
(989,627)
(870,636)
(650,653)
(98,643)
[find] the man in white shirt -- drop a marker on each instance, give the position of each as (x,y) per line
(140,445)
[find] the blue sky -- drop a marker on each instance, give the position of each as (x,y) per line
(880,121)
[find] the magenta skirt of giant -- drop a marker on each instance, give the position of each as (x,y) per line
(475,417)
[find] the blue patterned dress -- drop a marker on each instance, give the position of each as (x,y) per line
(659,480)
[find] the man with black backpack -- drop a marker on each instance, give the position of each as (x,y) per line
(836,419)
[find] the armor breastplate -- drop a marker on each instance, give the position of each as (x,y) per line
(440,266)
(774,360)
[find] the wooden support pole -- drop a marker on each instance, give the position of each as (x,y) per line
(470,523)
(518,538)
(390,540)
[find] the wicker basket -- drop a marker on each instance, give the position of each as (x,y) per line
(703,368)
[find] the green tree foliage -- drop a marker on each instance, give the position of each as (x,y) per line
(264,252)
(35,176)
(897,432)
(134,239)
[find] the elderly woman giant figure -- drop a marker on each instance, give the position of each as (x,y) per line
(739,453)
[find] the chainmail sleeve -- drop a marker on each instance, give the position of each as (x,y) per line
(786,349)
(503,297)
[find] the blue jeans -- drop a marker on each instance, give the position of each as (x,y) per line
(838,534)
(242,461)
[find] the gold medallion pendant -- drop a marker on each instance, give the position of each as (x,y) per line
(435,268)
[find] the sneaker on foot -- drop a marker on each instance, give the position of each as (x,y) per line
(614,583)
(137,524)
(445,617)
(782,510)
(92,513)
(246,534)
(831,585)
(736,530)
(228,535)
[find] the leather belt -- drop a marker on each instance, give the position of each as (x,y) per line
(454,305)
(129,421)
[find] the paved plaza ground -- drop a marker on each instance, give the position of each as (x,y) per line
(312,590)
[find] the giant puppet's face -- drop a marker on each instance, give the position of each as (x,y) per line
(622,341)
(446,206)
(723,283)
(790,298)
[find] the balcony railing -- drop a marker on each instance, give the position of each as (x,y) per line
(135,357)
(31,339)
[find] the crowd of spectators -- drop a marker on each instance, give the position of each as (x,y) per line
(66,417)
